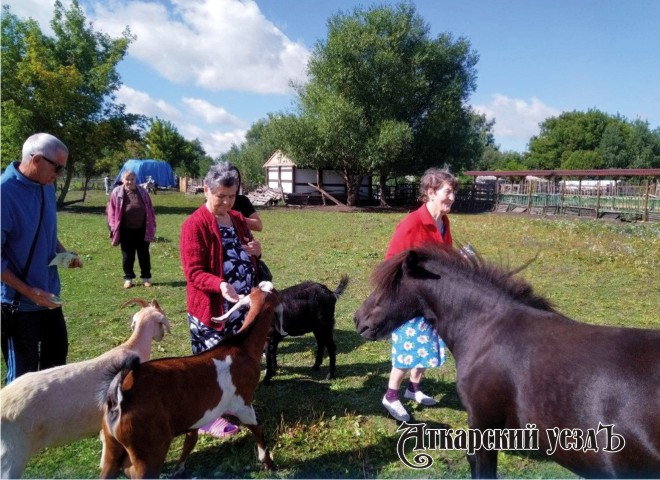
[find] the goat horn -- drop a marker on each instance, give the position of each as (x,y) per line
(154,304)
(135,301)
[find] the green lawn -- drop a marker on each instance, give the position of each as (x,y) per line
(594,271)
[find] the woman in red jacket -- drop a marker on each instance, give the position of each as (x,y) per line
(415,344)
(218,254)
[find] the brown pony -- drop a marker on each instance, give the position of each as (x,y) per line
(519,362)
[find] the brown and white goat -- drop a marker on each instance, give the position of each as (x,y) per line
(147,405)
(60,405)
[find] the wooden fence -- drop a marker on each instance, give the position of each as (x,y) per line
(595,199)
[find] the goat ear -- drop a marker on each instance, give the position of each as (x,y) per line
(135,301)
(166,324)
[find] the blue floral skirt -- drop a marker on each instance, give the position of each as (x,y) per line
(240,273)
(416,344)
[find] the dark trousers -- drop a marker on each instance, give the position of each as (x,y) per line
(131,241)
(34,341)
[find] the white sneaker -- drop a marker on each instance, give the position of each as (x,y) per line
(420,397)
(396,410)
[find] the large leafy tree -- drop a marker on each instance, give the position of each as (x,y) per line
(570,132)
(593,139)
(644,145)
(64,85)
(383,97)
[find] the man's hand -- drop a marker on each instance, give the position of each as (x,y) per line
(44,298)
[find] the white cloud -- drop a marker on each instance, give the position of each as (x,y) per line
(39,10)
(215,44)
(212,114)
(214,142)
(516,120)
(141,103)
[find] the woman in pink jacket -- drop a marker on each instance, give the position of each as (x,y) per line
(132,223)
(415,344)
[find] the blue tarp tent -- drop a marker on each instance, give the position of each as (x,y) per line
(159,170)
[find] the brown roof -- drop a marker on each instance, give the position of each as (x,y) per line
(610,172)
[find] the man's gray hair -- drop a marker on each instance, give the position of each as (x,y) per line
(45,144)
(221,174)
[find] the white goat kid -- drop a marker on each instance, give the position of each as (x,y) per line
(60,405)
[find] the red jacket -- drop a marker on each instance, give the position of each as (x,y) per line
(201,257)
(417,229)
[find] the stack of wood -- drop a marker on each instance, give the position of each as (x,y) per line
(265,196)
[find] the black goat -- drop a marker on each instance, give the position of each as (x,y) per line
(307,307)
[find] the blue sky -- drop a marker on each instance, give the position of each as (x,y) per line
(213,67)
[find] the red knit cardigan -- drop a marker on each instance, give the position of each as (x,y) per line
(417,229)
(201,257)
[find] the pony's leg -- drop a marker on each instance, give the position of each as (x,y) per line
(483,464)
(188,445)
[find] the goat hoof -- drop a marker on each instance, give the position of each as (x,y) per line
(316,367)
(330,376)
(266,381)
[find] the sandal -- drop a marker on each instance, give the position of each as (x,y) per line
(219,428)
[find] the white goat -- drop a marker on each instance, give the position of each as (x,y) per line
(60,405)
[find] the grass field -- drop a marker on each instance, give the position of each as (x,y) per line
(594,271)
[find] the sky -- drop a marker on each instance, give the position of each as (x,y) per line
(214,67)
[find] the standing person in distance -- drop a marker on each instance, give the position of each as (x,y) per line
(34,333)
(415,344)
(132,223)
(107,184)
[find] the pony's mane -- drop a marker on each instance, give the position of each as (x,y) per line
(388,274)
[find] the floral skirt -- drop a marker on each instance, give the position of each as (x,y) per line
(416,344)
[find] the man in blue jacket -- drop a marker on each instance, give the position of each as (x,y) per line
(34,335)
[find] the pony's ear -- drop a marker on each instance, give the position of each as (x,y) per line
(415,266)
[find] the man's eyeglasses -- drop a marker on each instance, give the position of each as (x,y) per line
(58,168)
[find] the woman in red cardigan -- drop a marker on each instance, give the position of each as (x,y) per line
(415,344)
(218,254)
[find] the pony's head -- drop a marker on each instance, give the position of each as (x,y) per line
(396,298)
(435,279)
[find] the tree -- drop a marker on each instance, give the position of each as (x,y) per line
(570,132)
(644,145)
(63,85)
(582,160)
(614,146)
(250,156)
(593,139)
(186,157)
(383,98)
(493,159)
